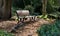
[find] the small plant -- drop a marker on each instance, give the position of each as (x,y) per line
(44,17)
(4,33)
(49,29)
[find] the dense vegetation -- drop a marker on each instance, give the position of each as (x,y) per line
(35,6)
(50,29)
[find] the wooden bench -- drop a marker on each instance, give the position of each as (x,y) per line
(24,15)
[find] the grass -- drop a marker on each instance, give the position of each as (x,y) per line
(4,33)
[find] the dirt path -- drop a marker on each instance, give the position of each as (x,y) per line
(28,30)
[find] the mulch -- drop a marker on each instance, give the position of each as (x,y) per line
(29,29)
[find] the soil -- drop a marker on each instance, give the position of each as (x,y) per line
(29,29)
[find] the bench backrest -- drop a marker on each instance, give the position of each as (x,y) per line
(22,12)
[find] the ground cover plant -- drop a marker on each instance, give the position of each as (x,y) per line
(50,29)
(4,33)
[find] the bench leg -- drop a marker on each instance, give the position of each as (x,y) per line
(17,27)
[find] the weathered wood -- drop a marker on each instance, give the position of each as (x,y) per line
(23,12)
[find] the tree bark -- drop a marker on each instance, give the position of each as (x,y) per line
(7,9)
(1,4)
(44,4)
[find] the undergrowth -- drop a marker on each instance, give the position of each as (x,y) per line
(50,29)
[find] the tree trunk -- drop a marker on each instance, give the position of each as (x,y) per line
(1,4)
(7,9)
(44,4)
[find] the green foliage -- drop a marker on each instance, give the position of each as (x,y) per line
(43,16)
(49,8)
(50,29)
(18,3)
(54,15)
(30,8)
(52,6)
(4,33)
(14,10)
(35,6)
(30,5)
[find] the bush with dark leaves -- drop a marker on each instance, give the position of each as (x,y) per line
(50,29)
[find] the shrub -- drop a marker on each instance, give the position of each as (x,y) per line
(49,29)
